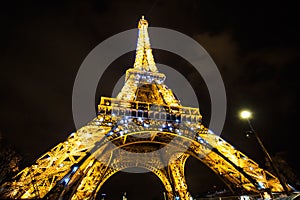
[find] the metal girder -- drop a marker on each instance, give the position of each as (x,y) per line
(176,169)
(227,162)
(95,177)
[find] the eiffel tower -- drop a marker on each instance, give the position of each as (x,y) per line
(146,127)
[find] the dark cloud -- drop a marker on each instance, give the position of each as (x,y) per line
(224,50)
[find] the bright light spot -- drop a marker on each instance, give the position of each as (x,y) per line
(245,197)
(245,114)
(66,180)
(200,140)
(261,185)
(110,133)
(75,168)
(266,196)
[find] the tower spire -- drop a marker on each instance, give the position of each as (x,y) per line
(144,58)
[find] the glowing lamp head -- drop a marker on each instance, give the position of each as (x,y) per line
(245,114)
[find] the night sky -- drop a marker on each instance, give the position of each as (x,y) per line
(255,45)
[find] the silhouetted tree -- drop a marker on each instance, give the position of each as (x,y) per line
(9,160)
(286,172)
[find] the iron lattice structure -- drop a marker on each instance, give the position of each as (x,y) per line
(144,126)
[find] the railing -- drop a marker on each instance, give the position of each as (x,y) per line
(135,109)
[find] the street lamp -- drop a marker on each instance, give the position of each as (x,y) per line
(247,115)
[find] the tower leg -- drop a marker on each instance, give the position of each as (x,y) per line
(165,179)
(176,170)
(96,175)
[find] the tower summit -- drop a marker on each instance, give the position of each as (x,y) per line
(143,82)
(144,58)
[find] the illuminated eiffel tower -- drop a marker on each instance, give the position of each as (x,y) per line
(145,126)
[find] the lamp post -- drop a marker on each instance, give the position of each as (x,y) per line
(245,114)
